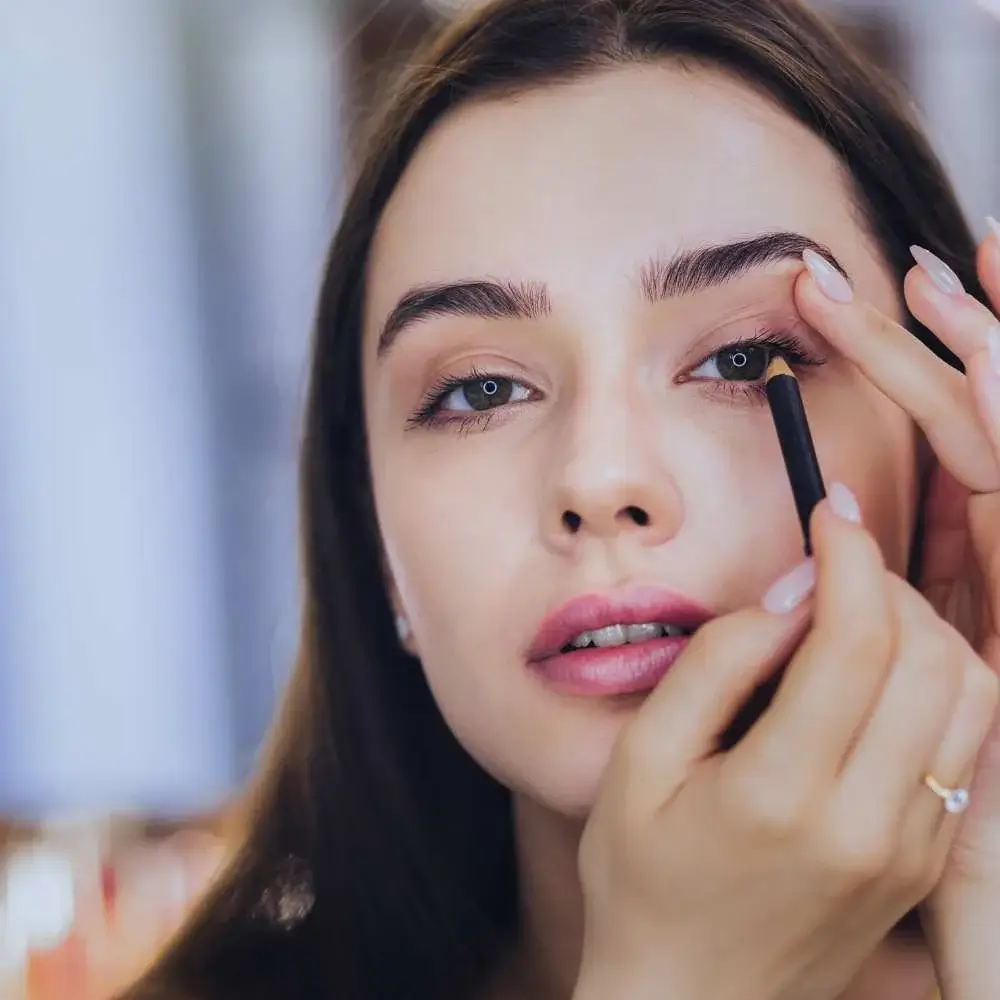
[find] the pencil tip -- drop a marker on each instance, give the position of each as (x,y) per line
(778,366)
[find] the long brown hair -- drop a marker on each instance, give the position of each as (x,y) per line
(367,799)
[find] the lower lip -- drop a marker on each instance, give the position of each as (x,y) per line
(624,669)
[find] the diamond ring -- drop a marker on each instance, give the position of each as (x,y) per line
(955,800)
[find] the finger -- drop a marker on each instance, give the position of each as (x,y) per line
(947,824)
(932,392)
(680,722)
(970,724)
(969,328)
(983,377)
(936,298)
(833,680)
(945,554)
(988,263)
(899,743)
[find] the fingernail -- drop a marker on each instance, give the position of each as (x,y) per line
(994,227)
(844,503)
(792,589)
(938,271)
(993,346)
(831,282)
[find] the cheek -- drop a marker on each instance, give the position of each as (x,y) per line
(460,530)
(441,520)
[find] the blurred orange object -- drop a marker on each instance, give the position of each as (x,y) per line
(84,910)
(61,972)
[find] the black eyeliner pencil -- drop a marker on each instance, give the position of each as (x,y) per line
(797,448)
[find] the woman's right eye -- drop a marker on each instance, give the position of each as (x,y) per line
(469,402)
(480,394)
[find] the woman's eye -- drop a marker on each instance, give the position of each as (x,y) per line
(479,394)
(735,364)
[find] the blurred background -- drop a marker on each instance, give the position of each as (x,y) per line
(170,175)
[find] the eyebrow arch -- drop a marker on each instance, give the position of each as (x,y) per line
(660,278)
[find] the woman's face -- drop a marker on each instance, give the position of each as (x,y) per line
(567,423)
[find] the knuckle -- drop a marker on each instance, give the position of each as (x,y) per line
(764,807)
(858,854)
(982,684)
(865,640)
(914,871)
(924,633)
(936,662)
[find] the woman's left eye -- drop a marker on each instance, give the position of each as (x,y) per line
(479,394)
(735,364)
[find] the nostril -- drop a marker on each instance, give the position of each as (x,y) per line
(638,515)
(572,521)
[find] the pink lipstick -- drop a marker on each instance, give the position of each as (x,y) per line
(621,642)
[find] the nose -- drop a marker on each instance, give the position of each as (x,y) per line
(613,481)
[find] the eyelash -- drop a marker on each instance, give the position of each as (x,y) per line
(428,413)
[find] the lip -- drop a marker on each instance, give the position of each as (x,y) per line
(632,606)
(620,670)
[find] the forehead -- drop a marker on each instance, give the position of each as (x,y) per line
(569,182)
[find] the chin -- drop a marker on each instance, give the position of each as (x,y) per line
(565,775)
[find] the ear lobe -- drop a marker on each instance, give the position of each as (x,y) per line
(403,629)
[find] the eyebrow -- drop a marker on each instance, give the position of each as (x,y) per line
(660,278)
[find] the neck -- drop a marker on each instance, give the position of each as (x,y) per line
(551,899)
(548,957)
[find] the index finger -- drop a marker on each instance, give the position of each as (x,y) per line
(934,394)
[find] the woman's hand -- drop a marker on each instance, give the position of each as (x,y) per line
(960,416)
(772,871)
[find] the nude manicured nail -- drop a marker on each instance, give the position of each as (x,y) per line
(830,281)
(791,590)
(994,227)
(938,271)
(844,503)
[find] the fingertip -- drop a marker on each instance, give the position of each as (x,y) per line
(837,521)
(809,297)
(849,562)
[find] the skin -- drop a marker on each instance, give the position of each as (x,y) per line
(574,187)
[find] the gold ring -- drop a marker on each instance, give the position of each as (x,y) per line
(955,800)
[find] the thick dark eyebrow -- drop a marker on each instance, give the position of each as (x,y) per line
(483,298)
(660,278)
(706,267)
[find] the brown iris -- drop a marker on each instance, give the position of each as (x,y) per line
(742,364)
(486,393)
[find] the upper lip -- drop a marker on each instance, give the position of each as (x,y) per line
(630,606)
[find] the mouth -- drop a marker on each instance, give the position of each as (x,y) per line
(612,636)
(621,642)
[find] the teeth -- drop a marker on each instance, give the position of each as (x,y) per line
(618,635)
(639,633)
(610,635)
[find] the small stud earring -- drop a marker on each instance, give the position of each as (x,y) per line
(402,628)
